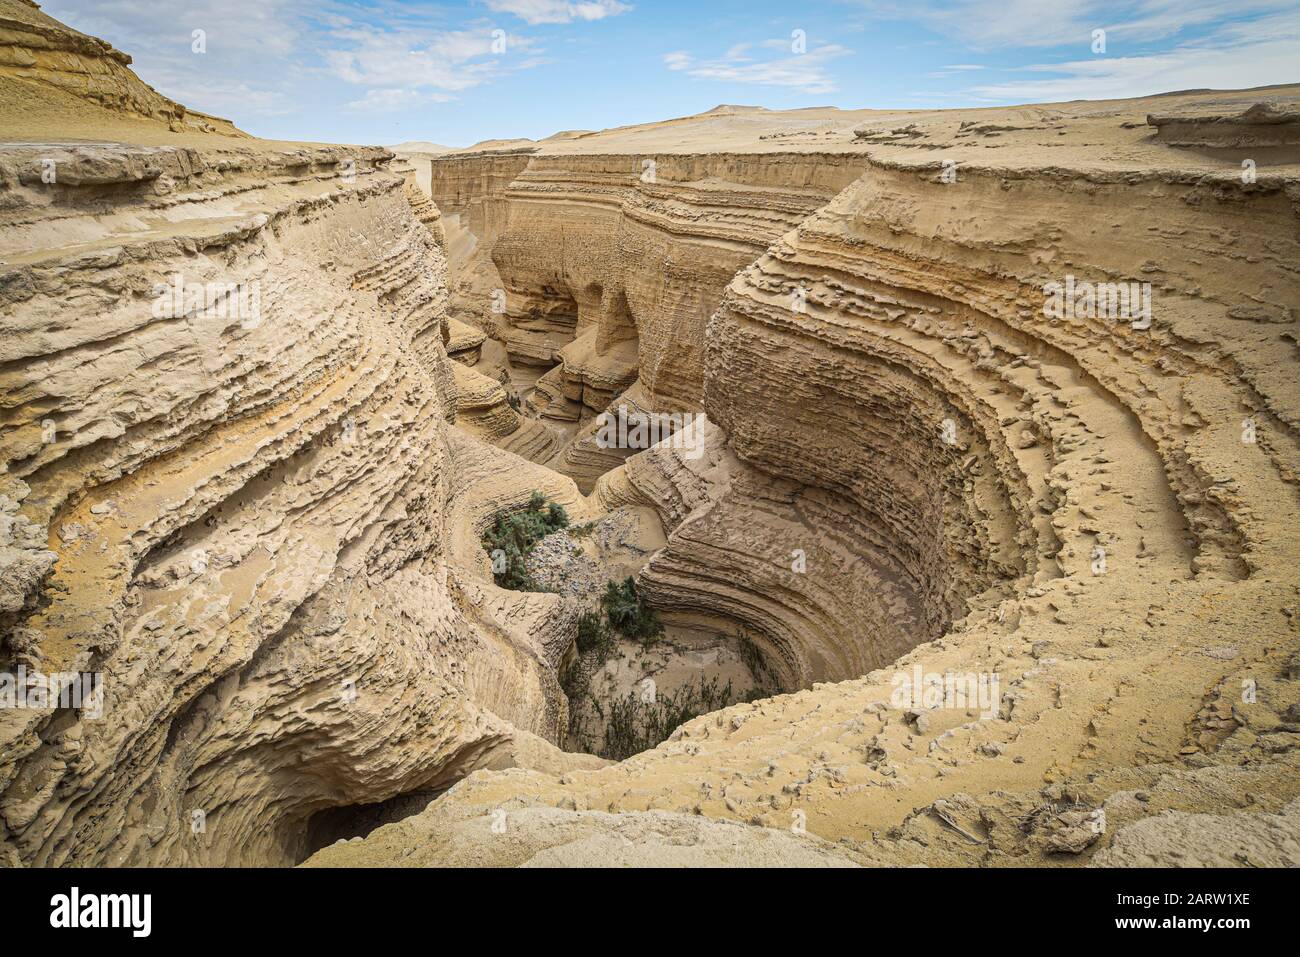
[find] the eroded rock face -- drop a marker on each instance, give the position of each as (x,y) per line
(253,433)
(1263,126)
(84,70)
(553,837)
(1051,499)
(609,266)
(227,491)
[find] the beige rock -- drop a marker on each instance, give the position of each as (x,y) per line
(1035,570)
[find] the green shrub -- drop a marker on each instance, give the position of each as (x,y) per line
(516,533)
(622,613)
(592,633)
(635,726)
(628,614)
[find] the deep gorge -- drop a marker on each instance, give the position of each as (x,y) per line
(267,532)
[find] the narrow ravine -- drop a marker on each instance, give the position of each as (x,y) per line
(630,678)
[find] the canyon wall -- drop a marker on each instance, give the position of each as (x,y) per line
(230,491)
(254,426)
(1091,510)
(610,265)
(74,71)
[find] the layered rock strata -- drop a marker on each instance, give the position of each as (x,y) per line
(1088,509)
(647,244)
(246,481)
(75,71)
(230,491)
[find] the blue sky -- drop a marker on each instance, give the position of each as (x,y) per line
(386,71)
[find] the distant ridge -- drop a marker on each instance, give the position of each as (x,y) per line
(420,146)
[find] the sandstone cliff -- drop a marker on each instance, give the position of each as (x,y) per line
(230,490)
(261,400)
(77,77)
(1096,511)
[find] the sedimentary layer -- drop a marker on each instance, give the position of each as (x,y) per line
(229,492)
(610,265)
(74,74)
(1091,511)
(253,432)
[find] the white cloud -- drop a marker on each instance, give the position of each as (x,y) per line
(955,68)
(805,72)
(393,100)
(409,59)
(998,24)
(1182,69)
(230,100)
(242,38)
(275,57)
(1243,54)
(261,27)
(559,11)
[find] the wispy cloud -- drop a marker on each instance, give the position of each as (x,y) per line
(260,27)
(239,39)
(559,11)
(805,72)
(261,56)
(956,68)
(1238,54)
(1002,24)
(360,69)
(414,59)
(393,100)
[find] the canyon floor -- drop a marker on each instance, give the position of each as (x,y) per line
(973,475)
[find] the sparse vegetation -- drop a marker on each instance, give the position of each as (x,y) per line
(622,613)
(766,682)
(594,635)
(573,682)
(595,643)
(514,534)
(636,725)
(628,614)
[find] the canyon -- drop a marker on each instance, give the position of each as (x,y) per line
(262,401)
